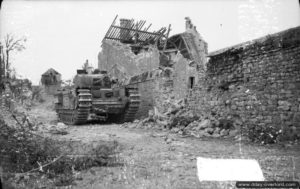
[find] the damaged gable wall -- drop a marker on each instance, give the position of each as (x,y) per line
(183,71)
(257,83)
(186,69)
(116,55)
(175,71)
(196,44)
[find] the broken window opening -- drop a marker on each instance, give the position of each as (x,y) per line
(191,82)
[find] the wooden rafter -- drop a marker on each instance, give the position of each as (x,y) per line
(133,30)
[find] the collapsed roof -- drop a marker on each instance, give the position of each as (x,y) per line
(137,37)
(136,34)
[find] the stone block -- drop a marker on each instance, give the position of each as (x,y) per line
(215,135)
(207,134)
(233,133)
(209,130)
(201,133)
(234,107)
(217,130)
(296,120)
(294,108)
(284,105)
(175,130)
(224,132)
(204,124)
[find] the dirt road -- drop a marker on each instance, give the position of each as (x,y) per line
(160,159)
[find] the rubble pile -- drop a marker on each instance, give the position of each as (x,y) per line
(30,113)
(179,119)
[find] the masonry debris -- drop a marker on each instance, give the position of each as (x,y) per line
(179,119)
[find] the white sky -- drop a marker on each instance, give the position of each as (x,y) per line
(63,34)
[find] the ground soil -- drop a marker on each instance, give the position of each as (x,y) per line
(161,159)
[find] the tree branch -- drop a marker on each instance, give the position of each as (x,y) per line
(45,165)
(14,45)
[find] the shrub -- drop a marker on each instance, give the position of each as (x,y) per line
(263,134)
(22,151)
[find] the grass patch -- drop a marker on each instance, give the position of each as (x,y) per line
(24,155)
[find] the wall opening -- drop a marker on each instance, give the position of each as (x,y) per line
(191,82)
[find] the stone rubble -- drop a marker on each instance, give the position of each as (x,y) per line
(177,119)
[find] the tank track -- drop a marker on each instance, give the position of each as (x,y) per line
(80,114)
(132,106)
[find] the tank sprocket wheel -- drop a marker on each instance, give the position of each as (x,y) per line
(132,106)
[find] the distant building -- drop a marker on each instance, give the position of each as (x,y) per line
(51,81)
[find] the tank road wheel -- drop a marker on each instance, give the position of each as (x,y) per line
(132,106)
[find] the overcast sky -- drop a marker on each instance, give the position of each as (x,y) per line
(63,34)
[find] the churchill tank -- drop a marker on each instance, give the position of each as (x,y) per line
(96,97)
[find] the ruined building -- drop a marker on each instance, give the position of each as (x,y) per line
(154,62)
(129,49)
(51,81)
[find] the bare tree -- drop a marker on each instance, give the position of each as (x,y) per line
(12,44)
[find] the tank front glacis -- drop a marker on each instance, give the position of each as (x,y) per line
(94,97)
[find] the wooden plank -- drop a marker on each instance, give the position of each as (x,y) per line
(128,24)
(187,47)
(140,28)
(151,33)
(118,39)
(110,27)
(129,33)
(148,27)
(113,32)
(143,36)
(169,29)
(146,36)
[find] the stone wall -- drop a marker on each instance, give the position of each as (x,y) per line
(257,82)
(162,87)
(195,42)
(153,87)
(184,69)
